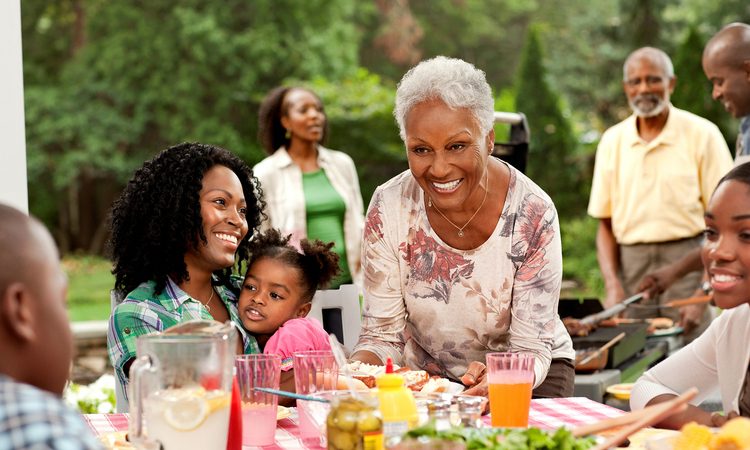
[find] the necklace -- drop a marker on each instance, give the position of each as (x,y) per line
(461,229)
(208,307)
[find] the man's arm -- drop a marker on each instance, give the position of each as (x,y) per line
(659,280)
(607,253)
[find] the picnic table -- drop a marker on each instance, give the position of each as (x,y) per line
(547,414)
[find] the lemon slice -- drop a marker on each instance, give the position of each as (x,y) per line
(186,413)
(218,401)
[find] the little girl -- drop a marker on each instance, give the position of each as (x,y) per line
(277,293)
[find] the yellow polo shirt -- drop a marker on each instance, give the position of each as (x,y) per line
(657,191)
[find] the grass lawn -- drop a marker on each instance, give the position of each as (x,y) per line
(89,283)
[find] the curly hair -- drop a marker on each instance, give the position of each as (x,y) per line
(271,132)
(157,218)
(317,262)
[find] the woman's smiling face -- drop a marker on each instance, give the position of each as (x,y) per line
(726,250)
(447,154)
(223,210)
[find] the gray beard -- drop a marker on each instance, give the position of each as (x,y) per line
(655,111)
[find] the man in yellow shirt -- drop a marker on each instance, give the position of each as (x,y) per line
(653,177)
(726,63)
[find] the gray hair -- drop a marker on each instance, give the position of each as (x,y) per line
(652,54)
(455,82)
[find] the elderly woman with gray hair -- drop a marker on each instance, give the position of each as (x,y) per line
(461,253)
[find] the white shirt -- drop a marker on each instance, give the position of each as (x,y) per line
(717,359)
(281,181)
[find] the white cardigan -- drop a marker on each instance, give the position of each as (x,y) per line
(281,181)
(718,359)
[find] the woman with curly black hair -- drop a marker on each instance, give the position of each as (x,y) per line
(179,228)
(312,191)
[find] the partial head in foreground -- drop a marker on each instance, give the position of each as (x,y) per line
(726,249)
(35,337)
(726,63)
(281,280)
(648,81)
(192,205)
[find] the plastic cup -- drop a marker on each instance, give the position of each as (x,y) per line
(258,408)
(510,377)
(315,371)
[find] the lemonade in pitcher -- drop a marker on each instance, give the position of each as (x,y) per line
(188,418)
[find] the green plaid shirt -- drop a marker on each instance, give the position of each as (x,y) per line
(143,312)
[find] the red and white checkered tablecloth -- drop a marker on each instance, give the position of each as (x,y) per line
(548,414)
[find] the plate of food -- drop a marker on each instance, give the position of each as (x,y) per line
(116,440)
(415,380)
(735,434)
(620,391)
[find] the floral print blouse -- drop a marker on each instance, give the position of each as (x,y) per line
(430,306)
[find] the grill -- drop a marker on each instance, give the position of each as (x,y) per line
(627,352)
(515,151)
(633,342)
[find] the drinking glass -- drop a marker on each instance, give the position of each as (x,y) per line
(258,408)
(314,371)
(510,377)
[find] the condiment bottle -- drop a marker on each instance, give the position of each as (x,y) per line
(439,412)
(396,404)
(354,423)
(470,410)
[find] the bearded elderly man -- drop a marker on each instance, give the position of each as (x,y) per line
(654,174)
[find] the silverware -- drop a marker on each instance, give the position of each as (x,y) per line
(291,394)
(680,302)
(610,312)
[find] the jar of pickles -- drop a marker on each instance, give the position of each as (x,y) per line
(354,423)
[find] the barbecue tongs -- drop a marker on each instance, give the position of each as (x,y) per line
(611,312)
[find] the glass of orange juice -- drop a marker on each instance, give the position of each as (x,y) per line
(510,377)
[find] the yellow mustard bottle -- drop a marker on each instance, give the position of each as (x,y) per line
(397,405)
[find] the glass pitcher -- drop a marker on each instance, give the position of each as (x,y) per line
(181,386)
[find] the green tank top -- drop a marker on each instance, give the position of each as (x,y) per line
(325,210)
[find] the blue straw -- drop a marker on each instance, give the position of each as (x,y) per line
(291,394)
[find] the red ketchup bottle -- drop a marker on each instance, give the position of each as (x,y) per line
(234,438)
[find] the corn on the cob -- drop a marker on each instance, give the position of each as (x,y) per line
(693,437)
(734,435)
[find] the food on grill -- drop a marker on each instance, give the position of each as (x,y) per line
(576,328)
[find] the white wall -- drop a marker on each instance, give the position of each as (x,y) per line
(13,189)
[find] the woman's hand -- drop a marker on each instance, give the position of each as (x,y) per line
(475,379)
(475,374)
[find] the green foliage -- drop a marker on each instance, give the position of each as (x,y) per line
(693,90)
(361,123)
(580,265)
(553,144)
(152,74)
